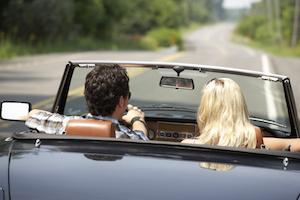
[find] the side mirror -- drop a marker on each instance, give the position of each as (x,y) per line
(177,82)
(15,111)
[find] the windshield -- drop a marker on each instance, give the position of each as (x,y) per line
(265,99)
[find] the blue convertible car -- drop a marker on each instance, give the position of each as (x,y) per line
(78,166)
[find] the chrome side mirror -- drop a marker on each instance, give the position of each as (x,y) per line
(15,111)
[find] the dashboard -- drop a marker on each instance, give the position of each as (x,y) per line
(171,131)
(176,132)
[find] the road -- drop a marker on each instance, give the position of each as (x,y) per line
(36,79)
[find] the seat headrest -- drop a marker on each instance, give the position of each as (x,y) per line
(95,128)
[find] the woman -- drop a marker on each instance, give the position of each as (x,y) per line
(223,120)
(223,116)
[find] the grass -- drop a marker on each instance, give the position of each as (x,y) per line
(191,27)
(10,49)
(282,51)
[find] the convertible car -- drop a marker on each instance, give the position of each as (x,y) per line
(86,165)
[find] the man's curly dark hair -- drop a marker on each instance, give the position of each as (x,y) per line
(104,86)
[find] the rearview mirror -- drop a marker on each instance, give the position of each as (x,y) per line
(15,111)
(177,82)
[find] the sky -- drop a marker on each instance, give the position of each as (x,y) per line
(238,3)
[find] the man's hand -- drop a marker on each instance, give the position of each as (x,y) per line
(132,113)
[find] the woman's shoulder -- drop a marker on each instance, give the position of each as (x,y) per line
(259,138)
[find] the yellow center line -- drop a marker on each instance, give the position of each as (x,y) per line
(5,125)
(132,72)
(80,89)
(207,39)
(220,47)
(172,57)
(42,103)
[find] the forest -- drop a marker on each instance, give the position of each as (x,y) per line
(273,24)
(30,27)
(41,25)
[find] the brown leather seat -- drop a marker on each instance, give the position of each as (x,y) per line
(94,128)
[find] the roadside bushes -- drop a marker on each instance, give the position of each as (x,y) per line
(250,25)
(166,37)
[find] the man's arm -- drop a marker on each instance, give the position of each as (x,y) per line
(47,122)
(282,143)
(35,111)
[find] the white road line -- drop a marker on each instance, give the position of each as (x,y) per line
(265,64)
(270,101)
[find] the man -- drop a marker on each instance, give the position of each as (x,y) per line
(107,94)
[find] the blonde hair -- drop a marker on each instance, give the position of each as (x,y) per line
(223,115)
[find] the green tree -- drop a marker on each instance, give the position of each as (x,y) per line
(3,6)
(251,23)
(287,17)
(88,14)
(48,20)
(98,18)
(200,11)
(257,25)
(142,16)
(35,20)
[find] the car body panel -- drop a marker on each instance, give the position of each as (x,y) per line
(126,169)
(5,146)
(44,166)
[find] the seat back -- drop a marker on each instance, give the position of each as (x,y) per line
(94,128)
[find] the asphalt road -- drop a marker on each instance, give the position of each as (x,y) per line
(36,79)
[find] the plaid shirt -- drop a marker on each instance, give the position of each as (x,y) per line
(55,124)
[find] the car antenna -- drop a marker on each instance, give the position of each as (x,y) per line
(178,69)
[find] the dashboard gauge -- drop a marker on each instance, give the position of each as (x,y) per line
(175,135)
